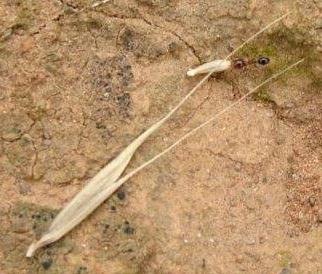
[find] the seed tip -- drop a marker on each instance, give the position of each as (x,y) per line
(190,72)
(31,250)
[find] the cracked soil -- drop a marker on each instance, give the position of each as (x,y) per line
(77,84)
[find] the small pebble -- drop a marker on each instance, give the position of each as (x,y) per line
(290,105)
(46,135)
(239,259)
(270,113)
(312,201)
(105,227)
(285,271)
(128,229)
(238,166)
(47,263)
(36,216)
(320,216)
(262,239)
(82,270)
(203,263)
(121,195)
(250,241)
(47,142)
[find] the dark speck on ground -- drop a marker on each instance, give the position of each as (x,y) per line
(46,264)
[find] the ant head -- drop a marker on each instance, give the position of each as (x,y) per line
(263,60)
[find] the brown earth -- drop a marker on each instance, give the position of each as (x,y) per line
(77,84)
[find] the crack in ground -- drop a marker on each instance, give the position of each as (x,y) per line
(229,158)
(192,49)
(197,108)
(74,7)
(35,159)
(81,135)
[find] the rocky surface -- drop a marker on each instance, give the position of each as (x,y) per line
(244,195)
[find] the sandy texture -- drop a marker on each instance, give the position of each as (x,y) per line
(77,84)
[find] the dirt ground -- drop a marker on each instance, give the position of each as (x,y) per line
(78,83)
